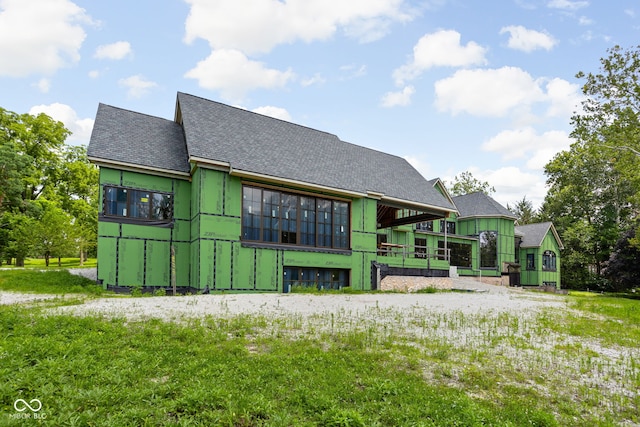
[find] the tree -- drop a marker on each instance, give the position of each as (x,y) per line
(53,233)
(466,183)
(623,268)
(524,210)
(594,189)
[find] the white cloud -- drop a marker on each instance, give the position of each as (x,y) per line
(512,184)
(94,74)
(567,4)
(40,36)
(80,128)
(439,49)
(137,86)
(257,26)
(401,98)
(526,143)
(115,51)
(630,12)
(43,85)
(564,98)
(488,93)
(233,74)
(420,165)
(275,112)
(316,79)
(353,71)
(526,40)
(583,20)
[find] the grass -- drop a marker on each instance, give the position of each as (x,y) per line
(58,282)
(39,263)
(381,367)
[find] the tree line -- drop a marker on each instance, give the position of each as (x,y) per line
(594,187)
(48,191)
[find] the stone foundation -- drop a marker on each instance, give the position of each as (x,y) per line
(414,283)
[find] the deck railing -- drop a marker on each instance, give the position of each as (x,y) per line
(414,251)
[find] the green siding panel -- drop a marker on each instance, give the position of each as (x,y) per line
(109,176)
(223,265)
(146,232)
(233,197)
(316,259)
(220,227)
(182,199)
(212,183)
(107,249)
(183,263)
(131,262)
(147,182)
(267,277)
(207,255)
(181,230)
(158,264)
(108,229)
(243,263)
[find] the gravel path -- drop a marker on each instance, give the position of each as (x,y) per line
(224,305)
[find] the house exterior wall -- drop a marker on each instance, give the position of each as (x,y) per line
(504,229)
(138,254)
(537,276)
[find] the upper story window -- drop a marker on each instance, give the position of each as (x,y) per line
(549,261)
(424,226)
(278,217)
(451,226)
(137,204)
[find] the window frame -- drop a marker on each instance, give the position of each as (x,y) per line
(549,261)
(531,262)
(319,222)
(135,206)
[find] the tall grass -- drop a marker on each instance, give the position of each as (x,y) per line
(47,282)
(373,367)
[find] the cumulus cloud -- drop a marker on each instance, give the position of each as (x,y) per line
(137,86)
(526,40)
(439,49)
(527,143)
(115,51)
(80,128)
(564,98)
(233,74)
(275,112)
(512,184)
(315,80)
(420,165)
(257,26)
(43,85)
(567,4)
(401,98)
(487,92)
(40,36)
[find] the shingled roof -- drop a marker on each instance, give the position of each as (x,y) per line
(267,146)
(128,138)
(533,234)
(210,132)
(478,204)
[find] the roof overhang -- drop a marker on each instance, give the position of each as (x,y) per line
(131,167)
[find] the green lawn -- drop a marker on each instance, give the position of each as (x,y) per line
(261,371)
(39,263)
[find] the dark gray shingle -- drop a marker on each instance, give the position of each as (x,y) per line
(255,143)
(534,234)
(138,139)
(479,204)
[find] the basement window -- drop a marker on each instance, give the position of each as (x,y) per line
(319,278)
(140,205)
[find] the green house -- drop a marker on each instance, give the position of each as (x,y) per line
(224,199)
(221,198)
(539,248)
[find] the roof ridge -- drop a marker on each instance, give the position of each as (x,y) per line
(100,104)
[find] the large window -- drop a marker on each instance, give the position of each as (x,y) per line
(460,253)
(549,261)
(137,204)
(531,262)
(278,217)
(488,249)
(319,278)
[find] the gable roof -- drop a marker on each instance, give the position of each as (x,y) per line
(533,234)
(249,143)
(478,204)
(139,141)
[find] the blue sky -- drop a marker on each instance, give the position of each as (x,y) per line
(450,85)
